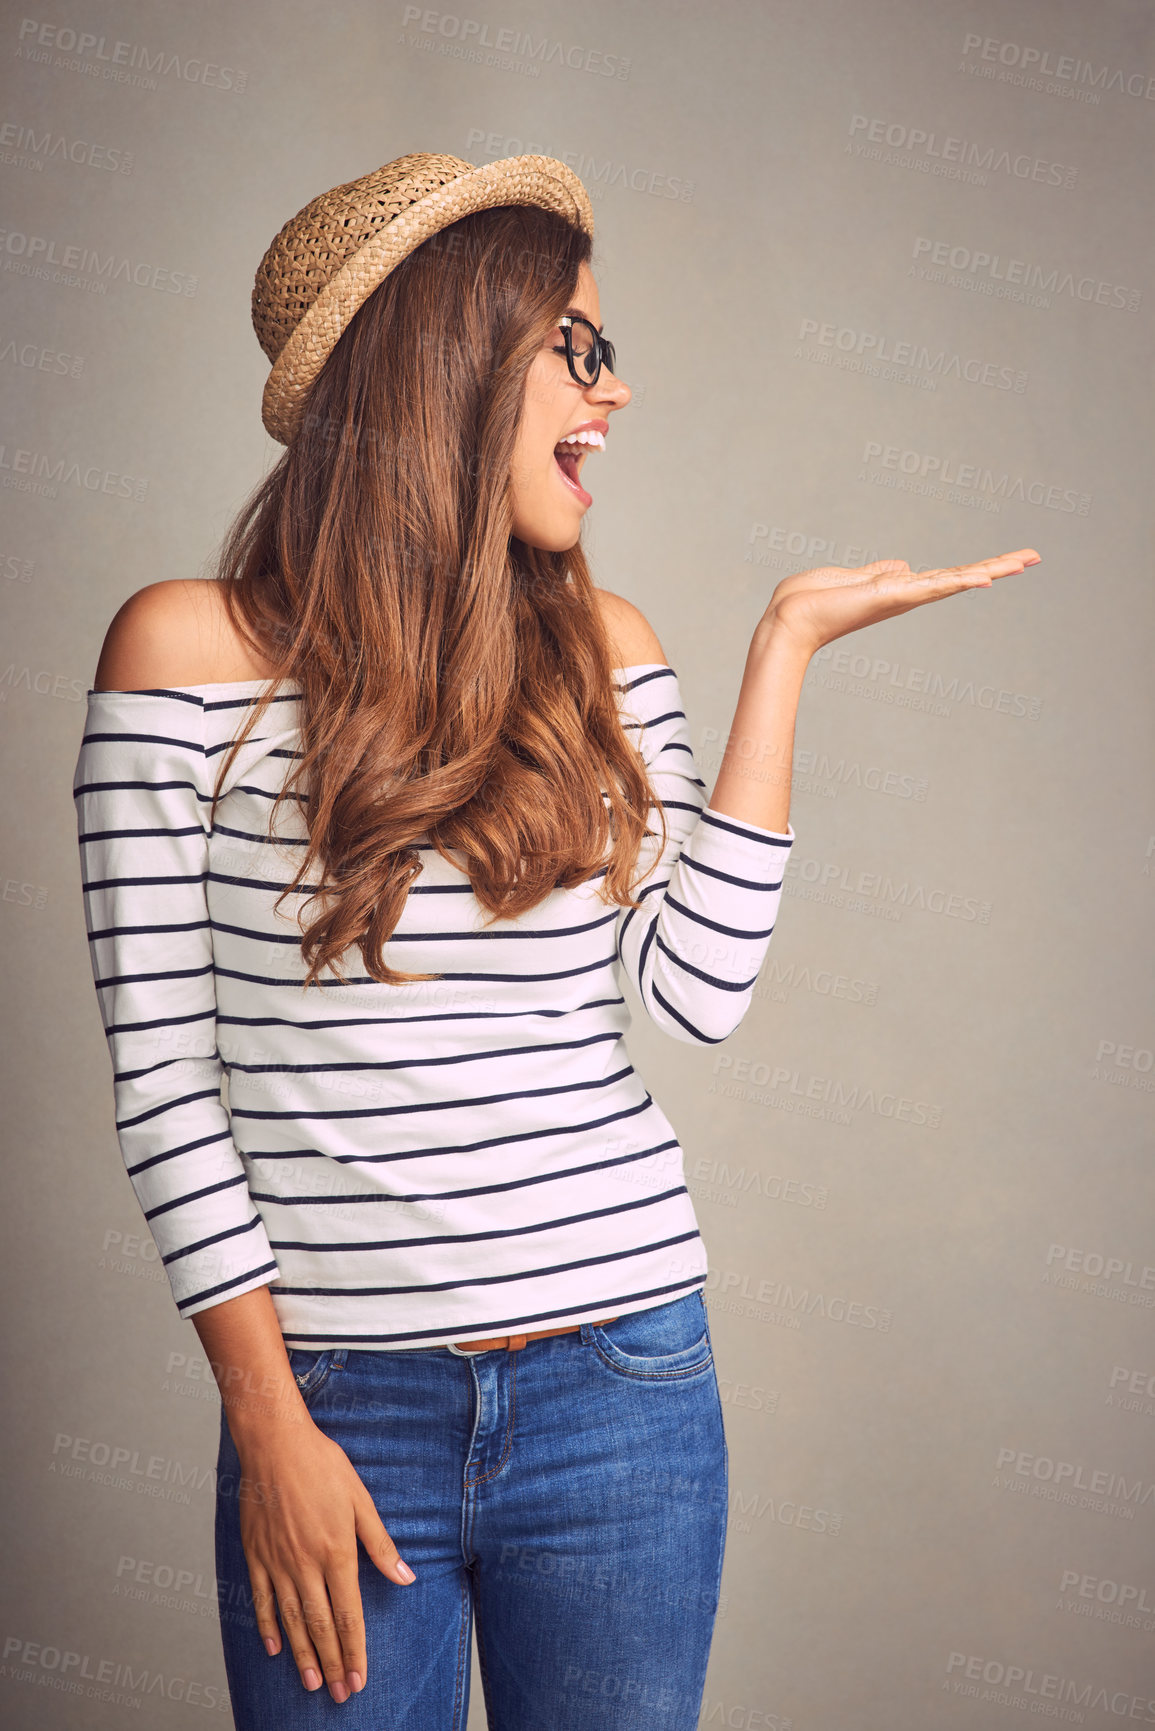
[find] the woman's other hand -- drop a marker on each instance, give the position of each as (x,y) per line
(305,1510)
(302,1504)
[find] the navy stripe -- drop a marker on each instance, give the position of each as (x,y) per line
(496,1279)
(507,1324)
(186,1304)
(302,1114)
(346,1247)
(354,1067)
(252,1225)
(713,821)
(371,1197)
(510,1140)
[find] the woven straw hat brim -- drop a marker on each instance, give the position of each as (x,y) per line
(539,180)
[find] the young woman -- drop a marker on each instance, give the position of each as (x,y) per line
(366,832)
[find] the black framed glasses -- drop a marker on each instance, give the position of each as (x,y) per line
(586,350)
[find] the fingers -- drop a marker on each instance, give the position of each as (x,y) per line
(894,589)
(313,1635)
(983,572)
(292,1605)
(308,1576)
(323,1615)
(1001,565)
(380,1547)
(264,1607)
(949,579)
(324,1624)
(349,1621)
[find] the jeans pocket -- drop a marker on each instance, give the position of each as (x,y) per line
(312,1370)
(664,1344)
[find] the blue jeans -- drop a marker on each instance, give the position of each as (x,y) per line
(571,1495)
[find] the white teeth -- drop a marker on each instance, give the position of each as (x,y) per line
(587,438)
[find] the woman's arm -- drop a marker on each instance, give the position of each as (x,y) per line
(708,899)
(709,902)
(246,1349)
(142,790)
(754,779)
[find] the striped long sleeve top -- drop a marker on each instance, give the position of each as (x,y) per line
(404,1166)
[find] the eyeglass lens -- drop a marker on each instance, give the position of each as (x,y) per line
(585,343)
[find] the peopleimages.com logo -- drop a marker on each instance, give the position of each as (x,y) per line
(597,175)
(991,273)
(1039,64)
(941,153)
(473,34)
(24,147)
(122,62)
(887,351)
(1028,1687)
(47,257)
(941,472)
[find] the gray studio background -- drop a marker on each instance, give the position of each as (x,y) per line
(881,279)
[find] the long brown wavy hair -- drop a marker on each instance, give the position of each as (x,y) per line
(455,682)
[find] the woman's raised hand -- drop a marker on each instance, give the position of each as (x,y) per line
(812,608)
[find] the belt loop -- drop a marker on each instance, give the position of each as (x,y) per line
(516,1342)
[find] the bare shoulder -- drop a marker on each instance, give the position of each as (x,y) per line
(633,639)
(174,633)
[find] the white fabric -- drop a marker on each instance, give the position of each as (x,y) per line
(403,1166)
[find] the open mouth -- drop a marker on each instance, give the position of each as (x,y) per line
(569,462)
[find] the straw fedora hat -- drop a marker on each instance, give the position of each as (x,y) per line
(328,259)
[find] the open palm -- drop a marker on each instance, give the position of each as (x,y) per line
(817,606)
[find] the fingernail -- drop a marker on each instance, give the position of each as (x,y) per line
(356,1681)
(270,1647)
(311,1679)
(1037,560)
(405,1571)
(338,1691)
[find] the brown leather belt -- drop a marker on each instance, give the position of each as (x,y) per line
(516,1341)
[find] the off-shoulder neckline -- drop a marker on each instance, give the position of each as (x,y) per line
(259,684)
